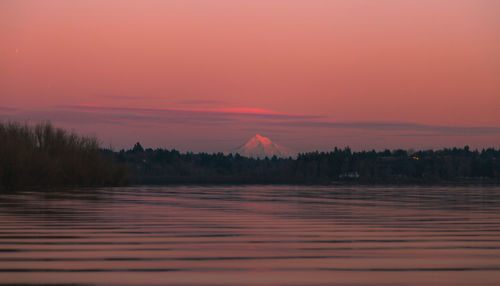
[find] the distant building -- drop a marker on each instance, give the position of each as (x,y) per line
(350,175)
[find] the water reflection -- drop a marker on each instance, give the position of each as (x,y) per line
(252,235)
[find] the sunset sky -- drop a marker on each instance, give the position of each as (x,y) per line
(208,75)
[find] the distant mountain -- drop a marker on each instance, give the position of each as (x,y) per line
(261,147)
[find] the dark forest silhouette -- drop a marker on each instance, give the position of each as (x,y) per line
(42,155)
(454,165)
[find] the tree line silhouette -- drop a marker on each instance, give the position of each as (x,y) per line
(44,156)
(450,165)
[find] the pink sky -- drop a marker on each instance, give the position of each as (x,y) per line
(208,75)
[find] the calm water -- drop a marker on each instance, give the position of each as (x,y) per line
(252,235)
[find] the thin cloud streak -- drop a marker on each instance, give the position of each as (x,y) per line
(90,117)
(202,102)
(5,108)
(249,118)
(397,126)
(121,97)
(231,111)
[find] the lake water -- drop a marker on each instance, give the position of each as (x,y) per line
(252,235)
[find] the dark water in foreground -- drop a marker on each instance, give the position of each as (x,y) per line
(254,235)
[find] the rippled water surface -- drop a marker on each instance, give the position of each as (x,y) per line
(252,235)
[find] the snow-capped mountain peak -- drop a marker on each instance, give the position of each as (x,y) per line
(261,147)
(257,139)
